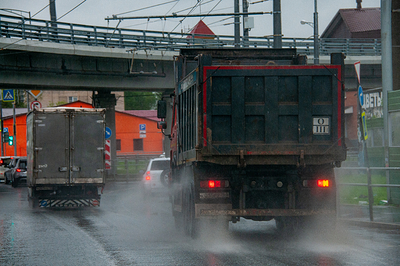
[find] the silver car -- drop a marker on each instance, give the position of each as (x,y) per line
(18,173)
(4,161)
(155,178)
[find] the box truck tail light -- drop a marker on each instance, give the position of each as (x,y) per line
(214,184)
(323,183)
(148,175)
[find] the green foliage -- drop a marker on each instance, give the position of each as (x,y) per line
(137,100)
(57,104)
(10,105)
(131,167)
(355,194)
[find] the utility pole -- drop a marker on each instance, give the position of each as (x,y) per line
(387,75)
(316,40)
(53,14)
(277,24)
(245,5)
(237,24)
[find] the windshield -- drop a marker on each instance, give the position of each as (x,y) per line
(22,164)
(159,165)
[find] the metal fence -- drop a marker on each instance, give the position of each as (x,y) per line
(368,184)
(59,32)
(129,168)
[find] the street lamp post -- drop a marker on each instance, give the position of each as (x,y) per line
(316,39)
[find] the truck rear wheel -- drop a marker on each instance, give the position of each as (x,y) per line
(289,226)
(191,224)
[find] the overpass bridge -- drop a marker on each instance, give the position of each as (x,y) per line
(45,55)
(40,54)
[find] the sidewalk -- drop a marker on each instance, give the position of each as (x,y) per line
(387,217)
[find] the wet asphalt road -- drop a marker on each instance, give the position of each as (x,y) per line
(128,230)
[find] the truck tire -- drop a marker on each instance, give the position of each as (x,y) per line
(33,200)
(178,220)
(191,224)
(289,226)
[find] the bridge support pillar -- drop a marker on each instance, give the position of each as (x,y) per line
(104,99)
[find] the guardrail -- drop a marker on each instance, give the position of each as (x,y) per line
(369,183)
(60,32)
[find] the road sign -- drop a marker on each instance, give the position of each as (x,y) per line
(360,95)
(357,66)
(35,93)
(8,95)
(35,105)
(364,122)
(108,132)
(142,128)
(108,154)
(5,129)
(95,202)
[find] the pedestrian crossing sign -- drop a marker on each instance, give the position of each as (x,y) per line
(8,95)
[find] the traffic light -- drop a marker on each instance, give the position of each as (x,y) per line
(11,140)
(5,136)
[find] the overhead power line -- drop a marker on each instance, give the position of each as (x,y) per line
(185,16)
(40,10)
(72,9)
(144,8)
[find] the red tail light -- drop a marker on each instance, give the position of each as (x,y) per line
(323,183)
(148,175)
(18,170)
(214,184)
(1,161)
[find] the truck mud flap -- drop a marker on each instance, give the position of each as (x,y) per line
(63,203)
(263,212)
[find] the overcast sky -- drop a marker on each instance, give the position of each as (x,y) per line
(93,12)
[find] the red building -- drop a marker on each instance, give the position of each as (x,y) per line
(130,138)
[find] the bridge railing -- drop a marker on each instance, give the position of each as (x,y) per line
(60,32)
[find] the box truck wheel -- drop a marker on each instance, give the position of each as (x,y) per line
(33,199)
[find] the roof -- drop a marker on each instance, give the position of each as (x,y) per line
(365,21)
(77,103)
(8,112)
(148,114)
(201,29)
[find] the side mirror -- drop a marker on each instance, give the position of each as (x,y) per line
(161,109)
(162,125)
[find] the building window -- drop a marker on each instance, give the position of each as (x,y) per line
(138,145)
(118,144)
(375,137)
(72,99)
(394,132)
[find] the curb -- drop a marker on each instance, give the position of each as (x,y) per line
(369,224)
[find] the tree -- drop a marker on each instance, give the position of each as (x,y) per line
(138,100)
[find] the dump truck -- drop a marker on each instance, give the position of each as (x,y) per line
(255,134)
(65,151)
